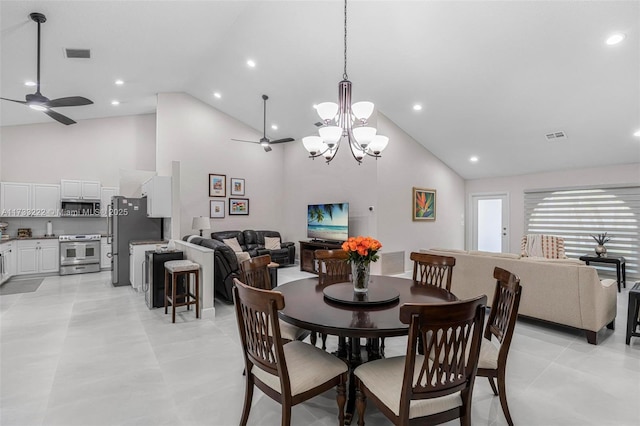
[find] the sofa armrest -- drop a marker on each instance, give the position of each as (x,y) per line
(598,299)
(287,244)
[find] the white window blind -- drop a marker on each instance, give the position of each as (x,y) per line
(577,213)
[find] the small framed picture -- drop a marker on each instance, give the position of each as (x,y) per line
(217,185)
(216,209)
(424,204)
(238,206)
(237,186)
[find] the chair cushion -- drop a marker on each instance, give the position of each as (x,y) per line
(291,332)
(233,243)
(384,378)
(272,243)
(181,266)
(308,367)
(488,355)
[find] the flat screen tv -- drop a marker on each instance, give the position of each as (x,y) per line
(328,222)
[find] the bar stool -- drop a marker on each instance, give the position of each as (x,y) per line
(181,268)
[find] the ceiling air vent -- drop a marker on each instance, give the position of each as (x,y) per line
(319,124)
(556,135)
(77,53)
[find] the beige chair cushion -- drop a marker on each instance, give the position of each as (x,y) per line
(488,355)
(384,377)
(233,243)
(290,332)
(308,367)
(181,266)
(272,243)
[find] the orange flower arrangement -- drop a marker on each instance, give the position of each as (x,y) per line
(362,249)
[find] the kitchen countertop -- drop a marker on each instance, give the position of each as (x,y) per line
(41,237)
(141,242)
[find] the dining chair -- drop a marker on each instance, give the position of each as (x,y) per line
(500,324)
(288,373)
(431,269)
(333,267)
(432,388)
(255,273)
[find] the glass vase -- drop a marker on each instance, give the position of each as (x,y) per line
(360,276)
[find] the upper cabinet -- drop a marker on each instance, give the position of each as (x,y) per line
(29,200)
(157,190)
(46,199)
(80,189)
(105,199)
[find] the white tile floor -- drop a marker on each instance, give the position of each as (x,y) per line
(81,352)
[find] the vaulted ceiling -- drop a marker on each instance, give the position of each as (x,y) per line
(492,77)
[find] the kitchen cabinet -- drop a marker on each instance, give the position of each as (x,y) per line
(80,189)
(29,199)
(105,253)
(157,190)
(37,256)
(105,199)
(7,261)
(45,201)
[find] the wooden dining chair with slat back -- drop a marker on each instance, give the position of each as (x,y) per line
(500,324)
(255,273)
(332,268)
(430,269)
(288,373)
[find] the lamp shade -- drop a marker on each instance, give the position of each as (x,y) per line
(330,134)
(327,110)
(364,135)
(378,144)
(313,144)
(201,223)
(362,110)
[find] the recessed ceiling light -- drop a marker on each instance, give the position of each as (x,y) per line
(115,102)
(637,133)
(251,63)
(217,95)
(274,126)
(615,38)
(30,83)
(417,107)
(119,82)
(473,159)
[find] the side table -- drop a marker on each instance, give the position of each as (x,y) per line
(619,261)
(633,320)
(273,273)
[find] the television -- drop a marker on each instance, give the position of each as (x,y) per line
(328,222)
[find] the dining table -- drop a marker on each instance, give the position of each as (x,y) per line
(337,310)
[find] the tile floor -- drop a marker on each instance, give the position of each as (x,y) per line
(81,352)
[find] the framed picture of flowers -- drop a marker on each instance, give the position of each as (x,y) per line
(424,204)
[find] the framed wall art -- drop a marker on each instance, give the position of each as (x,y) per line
(217,185)
(238,206)
(237,186)
(216,209)
(424,204)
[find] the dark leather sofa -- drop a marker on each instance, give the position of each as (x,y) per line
(226,266)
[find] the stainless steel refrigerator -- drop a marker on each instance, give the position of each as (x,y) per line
(129,222)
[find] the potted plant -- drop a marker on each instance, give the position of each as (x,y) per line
(601,239)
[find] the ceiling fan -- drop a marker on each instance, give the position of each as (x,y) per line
(39,102)
(264,141)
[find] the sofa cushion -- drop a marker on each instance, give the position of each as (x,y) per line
(233,243)
(272,243)
(494,254)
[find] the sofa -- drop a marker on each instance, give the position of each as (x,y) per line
(227,261)
(561,291)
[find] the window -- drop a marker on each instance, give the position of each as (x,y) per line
(577,213)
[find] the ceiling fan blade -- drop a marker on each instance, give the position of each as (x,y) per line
(13,100)
(69,101)
(243,140)
(59,117)
(283,140)
(267,148)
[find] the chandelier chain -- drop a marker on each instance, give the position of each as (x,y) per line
(344,74)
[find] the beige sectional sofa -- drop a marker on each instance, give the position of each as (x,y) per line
(562,291)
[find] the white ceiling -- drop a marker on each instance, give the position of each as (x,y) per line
(493,76)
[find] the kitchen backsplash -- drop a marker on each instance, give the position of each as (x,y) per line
(61,225)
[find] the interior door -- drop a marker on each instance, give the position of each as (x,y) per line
(490,222)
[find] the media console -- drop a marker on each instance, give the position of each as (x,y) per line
(307,249)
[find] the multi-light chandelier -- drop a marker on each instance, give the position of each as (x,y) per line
(343,120)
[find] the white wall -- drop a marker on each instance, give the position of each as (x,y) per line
(516,185)
(199,137)
(89,150)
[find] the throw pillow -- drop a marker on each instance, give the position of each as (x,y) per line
(272,243)
(233,243)
(242,256)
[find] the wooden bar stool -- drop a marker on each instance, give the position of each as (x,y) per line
(184,296)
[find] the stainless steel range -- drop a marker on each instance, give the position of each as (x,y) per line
(79,254)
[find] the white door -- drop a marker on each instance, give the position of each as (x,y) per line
(490,222)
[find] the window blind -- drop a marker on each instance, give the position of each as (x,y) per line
(577,213)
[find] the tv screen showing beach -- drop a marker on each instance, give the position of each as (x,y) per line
(328,221)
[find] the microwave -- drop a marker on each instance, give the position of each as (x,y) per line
(80,208)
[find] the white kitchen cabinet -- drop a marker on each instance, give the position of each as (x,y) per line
(45,200)
(157,190)
(105,253)
(38,256)
(15,199)
(7,261)
(79,189)
(105,199)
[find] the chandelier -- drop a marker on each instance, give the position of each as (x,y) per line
(344,121)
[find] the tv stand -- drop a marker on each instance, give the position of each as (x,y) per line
(307,249)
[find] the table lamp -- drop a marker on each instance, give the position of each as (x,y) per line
(201,223)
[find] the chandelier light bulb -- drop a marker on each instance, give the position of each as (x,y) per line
(362,110)
(364,135)
(327,110)
(378,144)
(313,144)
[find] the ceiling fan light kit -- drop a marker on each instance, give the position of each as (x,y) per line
(345,121)
(37,101)
(264,141)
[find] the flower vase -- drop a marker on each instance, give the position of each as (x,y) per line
(360,276)
(601,250)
